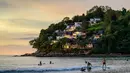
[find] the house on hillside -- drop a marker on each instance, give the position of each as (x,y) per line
(53,42)
(76,34)
(66,46)
(100,32)
(97,36)
(70,28)
(59,37)
(68,36)
(50,38)
(59,32)
(73,26)
(94,20)
(77,24)
(89,46)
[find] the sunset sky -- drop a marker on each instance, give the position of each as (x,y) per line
(22,20)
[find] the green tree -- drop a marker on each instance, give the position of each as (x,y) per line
(35,43)
(124,11)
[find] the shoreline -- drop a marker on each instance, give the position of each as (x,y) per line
(76,55)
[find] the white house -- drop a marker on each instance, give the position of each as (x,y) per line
(77,24)
(73,27)
(53,42)
(50,37)
(70,28)
(94,20)
(59,37)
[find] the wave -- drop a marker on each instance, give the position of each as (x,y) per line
(46,69)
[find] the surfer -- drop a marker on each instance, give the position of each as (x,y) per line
(104,63)
(40,63)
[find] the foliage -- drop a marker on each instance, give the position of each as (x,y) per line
(115,23)
(96,27)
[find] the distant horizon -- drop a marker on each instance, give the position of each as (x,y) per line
(22,20)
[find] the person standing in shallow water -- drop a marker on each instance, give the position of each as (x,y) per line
(40,63)
(89,66)
(104,64)
(50,62)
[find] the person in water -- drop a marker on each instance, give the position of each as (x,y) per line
(89,66)
(104,63)
(51,62)
(40,63)
(86,62)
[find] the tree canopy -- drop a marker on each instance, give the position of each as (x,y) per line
(114,23)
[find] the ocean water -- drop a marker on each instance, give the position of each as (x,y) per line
(9,64)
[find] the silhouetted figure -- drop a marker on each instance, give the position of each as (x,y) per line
(89,66)
(104,64)
(40,63)
(51,62)
(86,62)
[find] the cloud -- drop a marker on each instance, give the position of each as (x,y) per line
(25,38)
(30,34)
(5,4)
(15,49)
(28,23)
(43,10)
(22,25)
(14,46)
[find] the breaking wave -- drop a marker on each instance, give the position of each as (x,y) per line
(46,69)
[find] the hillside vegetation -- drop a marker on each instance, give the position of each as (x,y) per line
(110,34)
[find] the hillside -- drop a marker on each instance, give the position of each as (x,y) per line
(101,30)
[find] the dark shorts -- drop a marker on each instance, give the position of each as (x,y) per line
(104,63)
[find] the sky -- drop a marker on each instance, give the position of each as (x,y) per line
(22,20)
